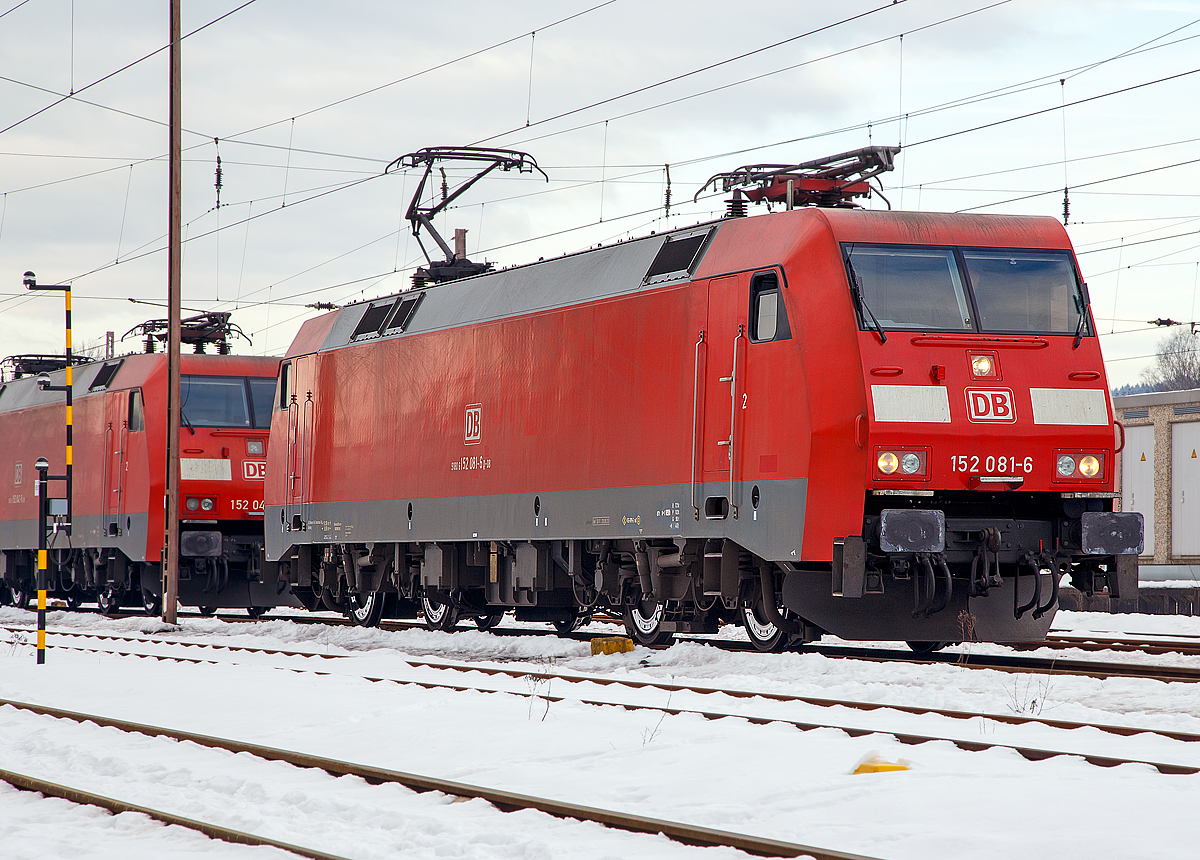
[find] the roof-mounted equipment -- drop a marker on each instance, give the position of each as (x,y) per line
(18,366)
(832,181)
(200,331)
(456,265)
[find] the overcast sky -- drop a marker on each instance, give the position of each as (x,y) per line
(310,101)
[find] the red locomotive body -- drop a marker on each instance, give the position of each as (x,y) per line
(819,420)
(114,547)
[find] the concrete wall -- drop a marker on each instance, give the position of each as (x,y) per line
(1164,411)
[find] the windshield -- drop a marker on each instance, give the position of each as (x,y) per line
(1024,291)
(911,288)
(262,393)
(226,401)
(966,289)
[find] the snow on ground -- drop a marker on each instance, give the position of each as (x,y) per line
(770,780)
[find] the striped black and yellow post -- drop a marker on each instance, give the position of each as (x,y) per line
(70,402)
(42,467)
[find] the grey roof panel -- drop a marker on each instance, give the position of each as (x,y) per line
(564,281)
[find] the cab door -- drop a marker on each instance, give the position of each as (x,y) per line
(723,389)
(116,440)
(297,398)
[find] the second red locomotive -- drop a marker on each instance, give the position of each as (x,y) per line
(112,553)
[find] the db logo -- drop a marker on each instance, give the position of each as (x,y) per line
(254,470)
(990,404)
(473,431)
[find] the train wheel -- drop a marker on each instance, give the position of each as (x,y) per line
(257,611)
(151,602)
(565,628)
(5,595)
(108,598)
(643,623)
(927,647)
(438,615)
(207,611)
(366,611)
(763,634)
(21,595)
(487,622)
(74,599)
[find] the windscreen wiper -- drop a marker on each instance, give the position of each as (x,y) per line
(1081,309)
(861,301)
(183,415)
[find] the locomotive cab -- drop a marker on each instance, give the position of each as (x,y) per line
(989,438)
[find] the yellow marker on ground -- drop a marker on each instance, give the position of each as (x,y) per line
(878,765)
(611,645)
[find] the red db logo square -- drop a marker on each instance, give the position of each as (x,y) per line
(991,404)
(254,470)
(474,430)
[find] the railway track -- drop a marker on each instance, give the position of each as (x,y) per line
(1092,642)
(543,674)
(998,662)
(1153,646)
(24,782)
(505,801)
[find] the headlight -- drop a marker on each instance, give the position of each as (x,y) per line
(254,447)
(981,365)
(1089,466)
(910,463)
(1066,465)
(206,504)
(888,463)
(193,504)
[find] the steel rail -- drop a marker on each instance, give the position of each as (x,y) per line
(505,801)
(24,782)
(908,738)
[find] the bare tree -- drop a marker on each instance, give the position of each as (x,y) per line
(1177,365)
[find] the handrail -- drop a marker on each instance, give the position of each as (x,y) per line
(695,421)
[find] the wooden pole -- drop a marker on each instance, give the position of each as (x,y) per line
(170,561)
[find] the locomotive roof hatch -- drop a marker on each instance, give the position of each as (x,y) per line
(831,181)
(456,265)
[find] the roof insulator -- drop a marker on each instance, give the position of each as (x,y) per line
(736,205)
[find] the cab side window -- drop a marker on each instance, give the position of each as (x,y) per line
(137,418)
(285,386)
(768,316)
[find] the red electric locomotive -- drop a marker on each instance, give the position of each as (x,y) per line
(880,425)
(112,552)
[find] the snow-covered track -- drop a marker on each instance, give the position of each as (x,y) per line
(545,675)
(1011,663)
(213,831)
(503,800)
(1154,645)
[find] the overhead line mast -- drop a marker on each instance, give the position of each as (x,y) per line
(170,559)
